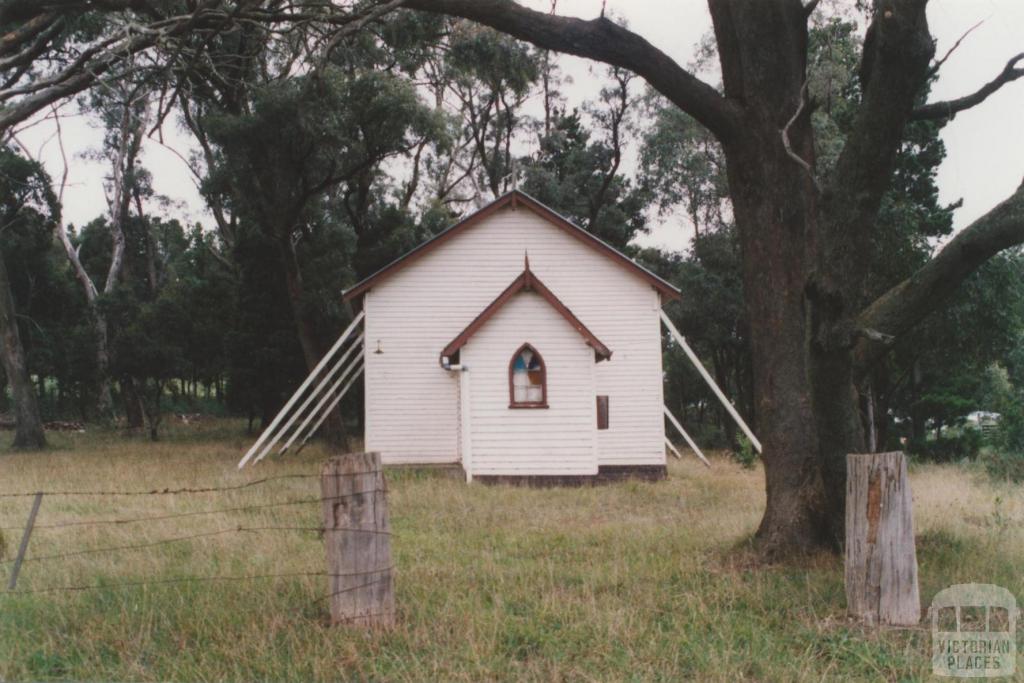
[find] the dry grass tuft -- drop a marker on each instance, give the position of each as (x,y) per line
(633,581)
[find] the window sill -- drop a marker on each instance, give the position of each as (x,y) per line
(519,406)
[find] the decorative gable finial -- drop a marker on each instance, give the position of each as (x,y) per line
(526,260)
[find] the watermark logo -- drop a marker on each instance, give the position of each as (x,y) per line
(974,629)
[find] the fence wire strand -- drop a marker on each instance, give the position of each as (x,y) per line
(194,513)
(206,534)
(166,491)
(199,579)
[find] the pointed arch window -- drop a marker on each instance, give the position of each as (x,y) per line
(527,379)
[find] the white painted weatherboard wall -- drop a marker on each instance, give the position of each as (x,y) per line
(411,403)
(559,439)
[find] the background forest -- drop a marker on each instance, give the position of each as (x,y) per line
(317,172)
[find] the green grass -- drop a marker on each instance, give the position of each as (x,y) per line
(632,581)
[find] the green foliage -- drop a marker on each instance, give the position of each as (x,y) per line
(303,137)
(301,167)
(683,166)
(491,74)
(963,446)
(713,319)
(496,60)
(52,325)
(1004,459)
(576,174)
(745,453)
(940,373)
(264,360)
(1003,465)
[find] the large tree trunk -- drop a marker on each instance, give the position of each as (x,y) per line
(104,395)
(28,425)
(773,232)
(763,48)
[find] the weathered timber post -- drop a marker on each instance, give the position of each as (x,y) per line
(881,560)
(357,538)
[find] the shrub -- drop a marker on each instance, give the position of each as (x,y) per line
(965,445)
(708,435)
(1005,460)
(1004,465)
(744,452)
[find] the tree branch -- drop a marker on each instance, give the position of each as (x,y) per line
(894,67)
(604,41)
(13,41)
(939,62)
(946,110)
(908,303)
(789,147)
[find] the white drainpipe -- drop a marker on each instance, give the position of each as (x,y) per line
(464,413)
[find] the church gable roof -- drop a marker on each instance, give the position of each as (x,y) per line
(515,199)
(527,281)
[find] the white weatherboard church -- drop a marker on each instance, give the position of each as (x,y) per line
(515,344)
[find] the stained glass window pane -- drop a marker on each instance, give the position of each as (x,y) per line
(527,378)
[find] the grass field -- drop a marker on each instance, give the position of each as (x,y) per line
(631,581)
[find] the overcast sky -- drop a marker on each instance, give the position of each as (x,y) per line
(985,161)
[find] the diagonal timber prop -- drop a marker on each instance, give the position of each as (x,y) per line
(675,451)
(335,402)
(318,408)
(681,340)
(690,442)
(272,429)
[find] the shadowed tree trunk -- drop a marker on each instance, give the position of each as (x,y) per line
(134,412)
(28,425)
(333,427)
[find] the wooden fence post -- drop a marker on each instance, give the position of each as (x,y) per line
(27,534)
(881,560)
(357,538)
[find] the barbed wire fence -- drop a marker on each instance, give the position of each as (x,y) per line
(341,489)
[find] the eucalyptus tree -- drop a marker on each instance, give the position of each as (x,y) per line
(806,238)
(27,203)
(578,166)
(684,166)
(492,77)
(302,140)
(479,80)
(124,111)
